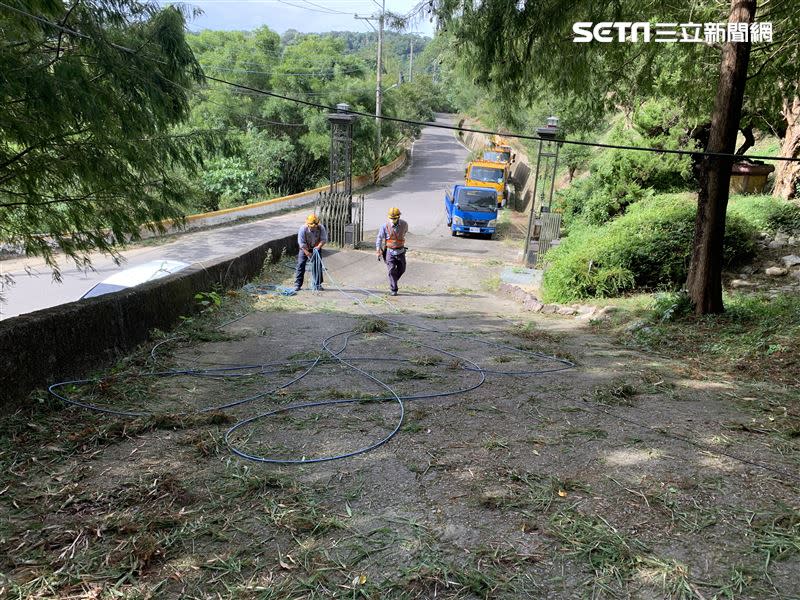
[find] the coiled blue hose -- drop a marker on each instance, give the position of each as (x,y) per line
(327,355)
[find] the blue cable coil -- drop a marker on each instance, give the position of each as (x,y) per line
(333,348)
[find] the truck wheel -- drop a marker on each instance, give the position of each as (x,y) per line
(453,232)
(488,236)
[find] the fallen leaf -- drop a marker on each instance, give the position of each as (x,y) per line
(285,565)
(562,493)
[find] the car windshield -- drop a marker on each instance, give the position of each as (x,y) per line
(477,200)
(486,174)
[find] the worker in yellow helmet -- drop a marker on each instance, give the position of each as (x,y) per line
(311,236)
(391,246)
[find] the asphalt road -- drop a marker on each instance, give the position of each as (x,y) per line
(437,163)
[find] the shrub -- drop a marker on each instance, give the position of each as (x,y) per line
(670,306)
(786,218)
(647,248)
(766,213)
(229,182)
(620,178)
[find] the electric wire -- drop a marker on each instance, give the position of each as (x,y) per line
(311,9)
(331,354)
(521,136)
(697,153)
(319,73)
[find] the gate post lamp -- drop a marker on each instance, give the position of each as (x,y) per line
(341,155)
(549,146)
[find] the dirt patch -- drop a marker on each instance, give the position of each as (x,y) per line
(629,475)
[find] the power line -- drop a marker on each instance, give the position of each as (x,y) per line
(331,10)
(422,123)
(324,73)
(249,115)
(324,12)
(298,93)
(505,134)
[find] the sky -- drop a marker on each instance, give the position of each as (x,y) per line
(306,16)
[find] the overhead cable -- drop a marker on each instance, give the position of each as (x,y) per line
(521,136)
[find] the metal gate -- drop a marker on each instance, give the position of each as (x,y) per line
(343,217)
(551,230)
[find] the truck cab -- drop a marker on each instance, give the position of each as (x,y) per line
(488,174)
(471,209)
(500,156)
(504,158)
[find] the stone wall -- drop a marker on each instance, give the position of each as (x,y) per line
(72,340)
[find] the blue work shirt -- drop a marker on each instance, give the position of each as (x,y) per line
(308,238)
(383,234)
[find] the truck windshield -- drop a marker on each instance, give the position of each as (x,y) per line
(477,200)
(494,156)
(486,174)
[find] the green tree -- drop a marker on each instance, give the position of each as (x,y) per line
(228,181)
(527,48)
(86,111)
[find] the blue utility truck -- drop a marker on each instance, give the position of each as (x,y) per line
(471,210)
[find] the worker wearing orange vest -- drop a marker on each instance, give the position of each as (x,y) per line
(391,246)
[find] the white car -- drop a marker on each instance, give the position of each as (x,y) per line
(149,271)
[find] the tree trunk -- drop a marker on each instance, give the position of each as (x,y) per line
(787,174)
(705,270)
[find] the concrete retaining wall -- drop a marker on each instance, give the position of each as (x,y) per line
(70,341)
(277,204)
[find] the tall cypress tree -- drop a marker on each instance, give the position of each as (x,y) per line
(524,50)
(90,95)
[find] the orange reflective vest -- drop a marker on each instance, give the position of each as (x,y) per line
(393,239)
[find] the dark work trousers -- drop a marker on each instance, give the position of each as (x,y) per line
(396,264)
(300,272)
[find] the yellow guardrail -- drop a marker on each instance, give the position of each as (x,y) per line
(358,182)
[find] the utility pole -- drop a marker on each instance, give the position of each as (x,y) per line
(411,63)
(378,92)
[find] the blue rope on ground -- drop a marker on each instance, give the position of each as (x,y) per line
(333,355)
(329,354)
(266,289)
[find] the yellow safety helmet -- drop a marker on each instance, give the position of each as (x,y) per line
(394,213)
(312,219)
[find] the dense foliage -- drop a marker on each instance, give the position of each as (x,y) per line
(647,248)
(619,178)
(767,213)
(87,150)
(282,147)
